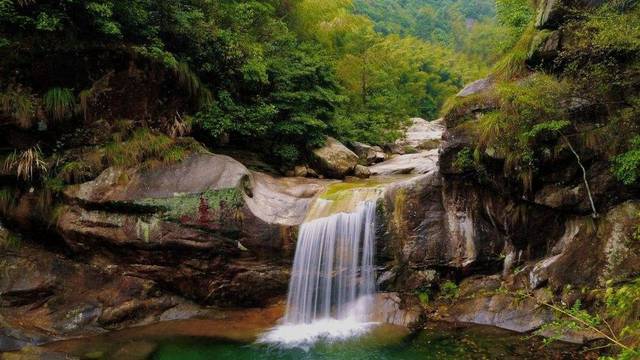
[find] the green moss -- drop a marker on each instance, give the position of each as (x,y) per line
(188,205)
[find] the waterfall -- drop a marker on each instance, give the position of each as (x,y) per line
(333,276)
(333,267)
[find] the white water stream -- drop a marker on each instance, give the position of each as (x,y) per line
(332,286)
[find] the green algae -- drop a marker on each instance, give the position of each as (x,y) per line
(340,190)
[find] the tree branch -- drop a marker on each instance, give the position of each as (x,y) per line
(584,175)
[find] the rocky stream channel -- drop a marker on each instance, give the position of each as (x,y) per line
(206,237)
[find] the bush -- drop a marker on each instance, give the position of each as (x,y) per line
(626,166)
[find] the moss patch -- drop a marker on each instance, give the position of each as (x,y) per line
(190,205)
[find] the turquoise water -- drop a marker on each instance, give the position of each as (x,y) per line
(426,345)
(224,340)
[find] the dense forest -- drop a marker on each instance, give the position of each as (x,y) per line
(276,75)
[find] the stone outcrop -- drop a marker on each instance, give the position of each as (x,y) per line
(206,228)
(46,296)
(334,160)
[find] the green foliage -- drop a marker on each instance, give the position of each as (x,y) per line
(514,13)
(626,166)
(572,318)
(464,160)
(9,240)
(59,103)
(525,125)
(74,172)
(424,297)
(449,290)
(513,64)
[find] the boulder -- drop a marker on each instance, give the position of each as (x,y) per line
(368,154)
(503,311)
(334,160)
(419,163)
(476,87)
(362,172)
(389,308)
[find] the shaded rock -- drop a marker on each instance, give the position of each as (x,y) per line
(334,159)
(81,298)
(421,279)
(24,279)
(362,172)
(475,285)
(304,171)
(592,251)
(549,14)
(544,48)
(368,154)
(386,279)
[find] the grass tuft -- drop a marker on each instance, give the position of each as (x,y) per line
(59,103)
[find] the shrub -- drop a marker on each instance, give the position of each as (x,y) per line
(464,160)
(626,166)
(145,147)
(286,154)
(449,290)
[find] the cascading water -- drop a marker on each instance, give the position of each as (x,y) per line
(332,284)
